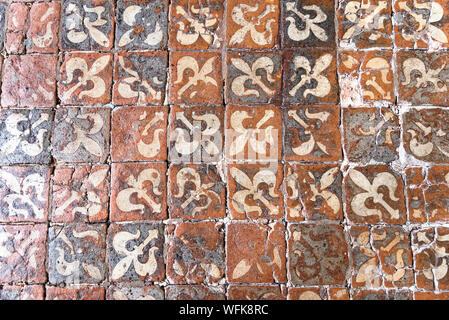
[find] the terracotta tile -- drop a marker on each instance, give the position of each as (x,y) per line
(382,295)
(196,24)
(141,25)
(253,77)
(26,292)
(81,135)
(254,191)
(3,10)
(194,292)
(253,133)
(87,25)
(314,192)
(25,136)
(24,193)
(310,77)
(365,24)
(139,134)
(196,134)
(85,79)
(80,194)
(196,192)
(425,134)
(338,294)
(124,291)
(312,134)
(138,191)
(196,253)
(308,23)
(135,252)
(43,31)
(252,24)
(196,78)
(318,254)
(430,295)
(375,194)
(371,134)
(76,293)
(264,292)
(431,88)
(140,78)
(306,294)
(23,253)
(76,254)
(429,247)
(421,24)
(255,253)
(29,81)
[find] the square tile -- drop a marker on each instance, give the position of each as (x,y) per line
(24,193)
(299,294)
(43,31)
(253,77)
(76,254)
(76,293)
(196,253)
(124,291)
(254,191)
(256,292)
(19,293)
(135,252)
(312,133)
(139,134)
(81,135)
(80,194)
(196,24)
(141,25)
(194,292)
(196,192)
(138,191)
(196,78)
(255,252)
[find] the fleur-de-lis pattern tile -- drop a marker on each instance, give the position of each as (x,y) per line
(224,149)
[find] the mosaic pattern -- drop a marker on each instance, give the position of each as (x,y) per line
(211,149)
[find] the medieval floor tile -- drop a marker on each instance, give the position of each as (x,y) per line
(255,253)
(307,294)
(196,134)
(310,77)
(375,194)
(308,23)
(313,192)
(196,191)
(87,25)
(135,252)
(371,134)
(23,253)
(24,194)
(423,77)
(85,79)
(382,295)
(365,24)
(431,261)
(318,254)
(76,293)
(421,24)
(312,133)
(141,25)
(256,292)
(426,134)
(26,292)
(139,134)
(253,77)
(196,24)
(29,81)
(338,294)
(196,78)
(138,191)
(80,194)
(76,254)
(252,24)
(3,11)
(194,292)
(254,191)
(196,253)
(418,295)
(125,291)
(25,136)
(253,133)
(140,78)
(81,135)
